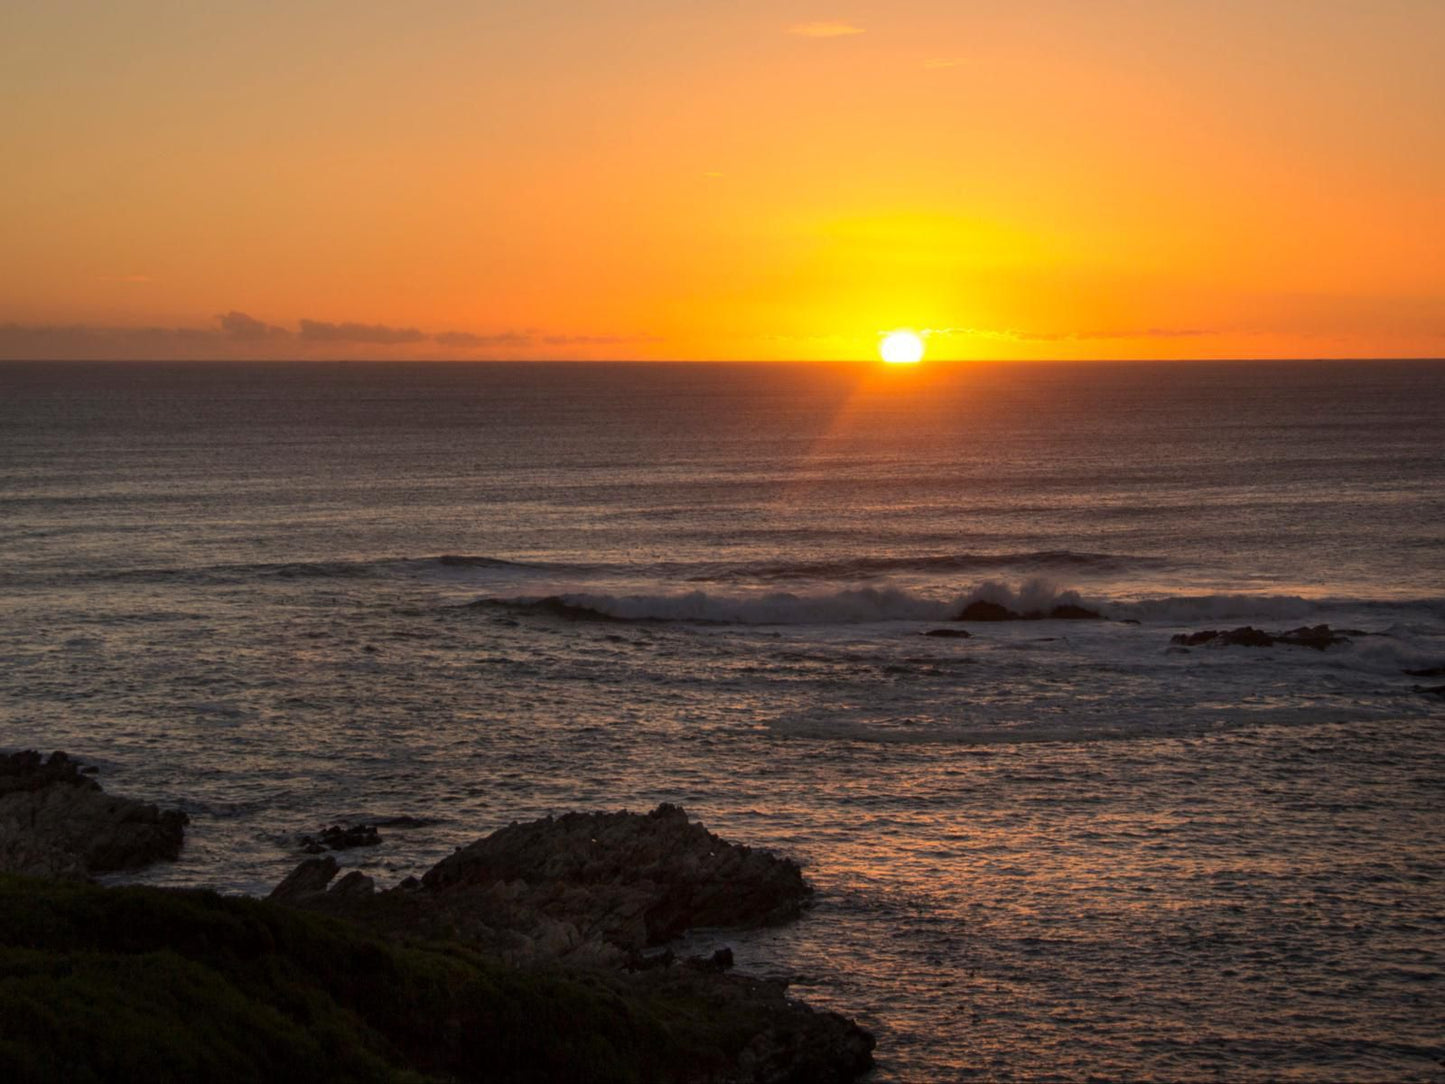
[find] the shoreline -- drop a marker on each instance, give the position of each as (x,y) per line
(567,916)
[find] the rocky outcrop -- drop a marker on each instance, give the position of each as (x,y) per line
(1318,637)
(55,821)
(635,879)
(955,634)
(140,984)
(600,886)
(981,610)
(591,891)
(337,838)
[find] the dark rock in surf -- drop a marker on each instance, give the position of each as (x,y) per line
(337,838)
(1245,636)
(957,634)
(1318,637)
(980,610)
(56,821)
(1431,690)
(1429,671)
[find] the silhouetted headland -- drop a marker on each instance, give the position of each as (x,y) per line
(521,957)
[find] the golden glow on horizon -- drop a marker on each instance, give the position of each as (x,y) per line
(1044,179)
(901,348)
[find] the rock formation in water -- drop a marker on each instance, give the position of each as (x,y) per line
(1318,637)
(337,838)
(55,821)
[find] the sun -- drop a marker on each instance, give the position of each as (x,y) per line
(901,348)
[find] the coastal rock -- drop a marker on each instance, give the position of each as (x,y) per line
(56,821)
(981,610)
(337,838)
(960,634)
(987,611)
(599,887)
(1429,671)
(630,879)
(592,891)
(1318,637)
(308,879)
(791,1043)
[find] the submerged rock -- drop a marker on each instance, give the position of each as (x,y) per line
(1429,671)
(961,634)
(56,821)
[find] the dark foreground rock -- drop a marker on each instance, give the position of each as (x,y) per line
(133,984)
(1318,637)
(55,821)
(599,887)
(957,634)
(589,892)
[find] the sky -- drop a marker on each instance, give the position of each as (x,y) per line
(722,179)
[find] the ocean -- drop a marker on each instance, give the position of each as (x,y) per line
(281,596)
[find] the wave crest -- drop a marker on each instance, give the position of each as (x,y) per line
(861,605)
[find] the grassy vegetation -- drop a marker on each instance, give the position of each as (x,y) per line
(131,984)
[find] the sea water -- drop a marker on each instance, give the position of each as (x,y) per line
(282,596)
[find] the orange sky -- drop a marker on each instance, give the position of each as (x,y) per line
(722,178)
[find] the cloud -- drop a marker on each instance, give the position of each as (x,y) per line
(318,331)
(500,338)
(237,335)
(596,340)
(1016,335)
(825,30)
(239,326)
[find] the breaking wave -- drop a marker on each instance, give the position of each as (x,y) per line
(868,604)
(867,567)
(859,605)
